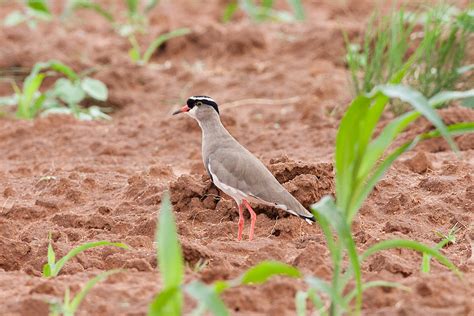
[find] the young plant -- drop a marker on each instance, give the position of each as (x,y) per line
(169,301)
(142,59)
(439,48)
(265,11)
(33,12)
(361,159)
(450,238)
(53,267)
(68,306)
(64,97)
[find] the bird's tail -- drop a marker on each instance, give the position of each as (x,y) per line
(309,219)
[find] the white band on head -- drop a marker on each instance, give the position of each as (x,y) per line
(202,98)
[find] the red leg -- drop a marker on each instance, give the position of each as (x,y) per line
(253,218)
(241,222)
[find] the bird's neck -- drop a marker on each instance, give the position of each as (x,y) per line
(213,127)
(213,132)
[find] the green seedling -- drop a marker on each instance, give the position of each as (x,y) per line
(64,97)
(68,306)
(450,238)
(264,11)
(52,268)
(170,262)
(439,50)
(142,59)
(361,159)
(169,301)
(33,12)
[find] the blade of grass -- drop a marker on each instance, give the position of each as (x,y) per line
(421,104)
(266,269)
(59,265)
(77,300)
(327,208)
(162,39)
(449,238)
(410,244)
(445,96)
(208,296)
(170,255)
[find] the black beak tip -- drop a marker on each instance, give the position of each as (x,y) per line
(177,112)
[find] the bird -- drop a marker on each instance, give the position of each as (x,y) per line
(235,170)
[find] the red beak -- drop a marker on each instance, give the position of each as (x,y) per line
(184,109)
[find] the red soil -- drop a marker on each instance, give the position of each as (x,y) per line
(87,181)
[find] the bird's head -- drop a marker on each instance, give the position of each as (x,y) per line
(200,108)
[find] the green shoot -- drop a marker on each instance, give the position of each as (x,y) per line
(135,51)
(68,306)
(265,11)
(450,238)
(63,98)
(170,262)
(52,268)
(33,12)
(389,42)
(361,160)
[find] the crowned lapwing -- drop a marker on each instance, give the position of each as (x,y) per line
(234,170)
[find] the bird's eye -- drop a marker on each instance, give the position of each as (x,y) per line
(198,103)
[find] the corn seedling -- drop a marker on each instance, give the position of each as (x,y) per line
(33,12)
(53,267)
(171,265)
(141,59)
(450,238)
(360,161)
(63,98)
(68,306)
(390,41)
(265,11)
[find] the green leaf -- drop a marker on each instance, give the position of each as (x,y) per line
(170,255)
(14,18)
(71,254)
(421,104)
(449,238)
(31,87)
(95,88)
(300,303)
(347,149)
(229,11)
(445,96)
(77,300)
(68,92)
(327,208)
(162,39)
(298,10)
(208,296)
(61,68)
(266,269)
(89,5)
(160,304)
(410,244)
(132,7)
(40,6)
(134,54)
(378,146)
